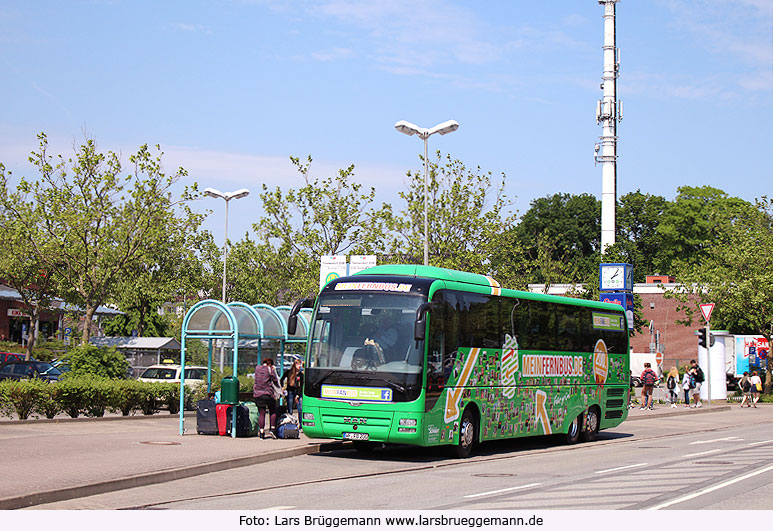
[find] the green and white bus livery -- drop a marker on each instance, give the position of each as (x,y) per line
(426,356)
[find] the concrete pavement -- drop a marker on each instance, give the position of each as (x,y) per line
(62,459)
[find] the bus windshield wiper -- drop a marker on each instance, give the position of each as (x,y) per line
(393,385)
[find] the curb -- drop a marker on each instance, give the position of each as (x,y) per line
(140,480)
(187,414)
(692,411)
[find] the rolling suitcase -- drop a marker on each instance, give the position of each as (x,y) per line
(243,424)
(222,411)
(206,417)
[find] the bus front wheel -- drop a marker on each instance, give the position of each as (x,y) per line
(573,433)
(467,431)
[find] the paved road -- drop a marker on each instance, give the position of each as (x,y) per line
(687,461)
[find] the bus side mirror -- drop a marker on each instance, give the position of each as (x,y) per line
(292,319)
(420,325)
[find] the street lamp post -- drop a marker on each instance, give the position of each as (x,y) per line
(238,194)
(412,129)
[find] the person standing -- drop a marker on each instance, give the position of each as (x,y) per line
(698,374)
(672,382)
(292,380)
(746,387)
(756,384)
(648,379)
(687,385)
(264,393)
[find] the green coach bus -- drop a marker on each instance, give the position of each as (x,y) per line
(426,356)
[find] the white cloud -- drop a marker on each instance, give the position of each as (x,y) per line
(332,54)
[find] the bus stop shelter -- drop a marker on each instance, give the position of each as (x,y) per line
(238,328)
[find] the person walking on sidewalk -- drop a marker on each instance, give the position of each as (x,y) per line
(672,382)
(746,387)
(756,383)
(648,379)
(698,373)
(264,391)
(687,385)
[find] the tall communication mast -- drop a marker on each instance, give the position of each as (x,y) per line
(608,112)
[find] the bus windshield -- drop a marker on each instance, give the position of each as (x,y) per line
(365,338)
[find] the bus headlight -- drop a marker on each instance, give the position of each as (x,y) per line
(308,416)
(408,422)
(406,430)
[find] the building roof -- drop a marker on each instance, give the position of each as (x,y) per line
(136,343)
(8,293)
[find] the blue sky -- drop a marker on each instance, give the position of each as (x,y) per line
(232,89)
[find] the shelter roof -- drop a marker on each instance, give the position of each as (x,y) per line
(137,343)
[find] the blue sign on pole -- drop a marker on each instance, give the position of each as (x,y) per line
(623,299)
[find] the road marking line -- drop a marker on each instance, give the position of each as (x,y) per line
(711,489)
(703,453)
(717,440)
(620,468)
(502,490)
(760,443)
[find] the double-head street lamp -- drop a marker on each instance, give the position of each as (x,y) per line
(412,129)
(238,194)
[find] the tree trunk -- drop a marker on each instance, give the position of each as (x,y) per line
(87,325)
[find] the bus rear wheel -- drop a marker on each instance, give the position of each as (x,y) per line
(467,430)
(573,433)
(592,424)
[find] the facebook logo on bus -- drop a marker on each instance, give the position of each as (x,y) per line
(386,395)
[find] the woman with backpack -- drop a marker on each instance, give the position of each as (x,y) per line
(746,386)
(672,381)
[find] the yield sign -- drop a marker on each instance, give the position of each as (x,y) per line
(706,310)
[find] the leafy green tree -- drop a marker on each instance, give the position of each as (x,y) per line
(735,273)
(692,222)
(96,226)
(19,263)
(324,217)
(563,228)
(637,241)
(468,214)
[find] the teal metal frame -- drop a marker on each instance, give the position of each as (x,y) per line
(238,322)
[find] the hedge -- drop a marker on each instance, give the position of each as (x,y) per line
(91,397)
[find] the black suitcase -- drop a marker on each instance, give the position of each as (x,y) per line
(243,424)
(206,420)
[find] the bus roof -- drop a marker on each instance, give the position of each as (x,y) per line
(463,277)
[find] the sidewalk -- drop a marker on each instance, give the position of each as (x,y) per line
(54,461)
(60,460)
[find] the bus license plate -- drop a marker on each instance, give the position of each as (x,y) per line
(355,436)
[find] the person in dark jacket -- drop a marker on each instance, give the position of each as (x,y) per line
(292,380)
(264,392)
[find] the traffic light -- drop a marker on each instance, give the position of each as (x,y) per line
(701,333)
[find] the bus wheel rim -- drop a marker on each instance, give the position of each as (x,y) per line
(466,436)
(593,421)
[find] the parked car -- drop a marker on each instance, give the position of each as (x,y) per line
(12,356)
(23,370)
(171,373)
